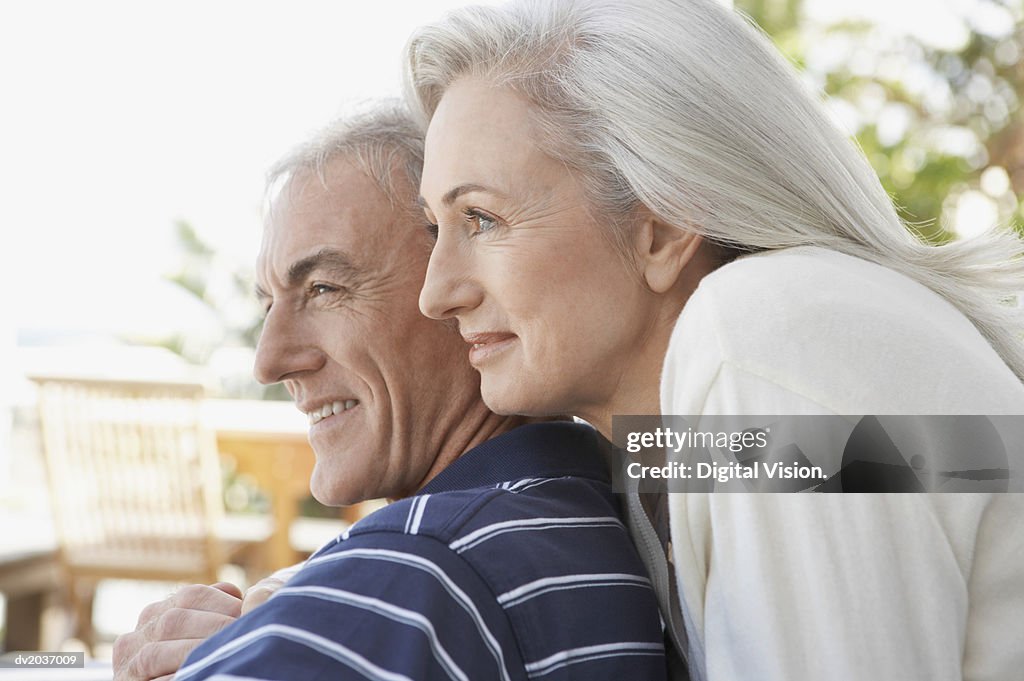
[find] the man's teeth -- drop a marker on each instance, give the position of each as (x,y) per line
(329,409)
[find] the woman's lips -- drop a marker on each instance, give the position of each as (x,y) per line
(484,346)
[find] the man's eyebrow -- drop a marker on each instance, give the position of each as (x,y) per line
(327,259)
(455,192)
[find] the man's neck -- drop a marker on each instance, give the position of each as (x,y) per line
(480,425)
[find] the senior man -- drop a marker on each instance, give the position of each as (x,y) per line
(505,557)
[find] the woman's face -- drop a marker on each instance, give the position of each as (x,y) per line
(552,312)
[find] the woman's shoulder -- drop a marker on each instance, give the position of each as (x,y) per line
(850,334)
(810,294)
(810,279)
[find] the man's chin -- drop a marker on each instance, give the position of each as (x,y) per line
(329,490)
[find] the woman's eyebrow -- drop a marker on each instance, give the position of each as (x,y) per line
(455,192)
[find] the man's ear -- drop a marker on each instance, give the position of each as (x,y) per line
(663,250)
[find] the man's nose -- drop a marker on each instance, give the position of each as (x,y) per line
(449,288)
(284,349)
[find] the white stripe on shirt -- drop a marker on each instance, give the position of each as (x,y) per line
(414,561)
(490,531)
(385,609)
(409,515)
(577,655)
(419,514)
(537,483)
(512,486)
(315,642)
(548,584)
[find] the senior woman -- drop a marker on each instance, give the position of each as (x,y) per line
(639,210)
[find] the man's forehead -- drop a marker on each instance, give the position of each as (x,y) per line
(335,198)
(342,211)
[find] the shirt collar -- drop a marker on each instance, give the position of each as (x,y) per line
(552,449)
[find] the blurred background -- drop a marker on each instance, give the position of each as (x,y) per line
(134,139)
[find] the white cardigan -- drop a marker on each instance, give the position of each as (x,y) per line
(783,587)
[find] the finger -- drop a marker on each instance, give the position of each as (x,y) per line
(153,610)
(258,594)
(158,659)
(125,648)
(192,596)
(180,623)
(203,597)
(228,588)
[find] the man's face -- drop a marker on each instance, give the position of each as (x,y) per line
(339,274)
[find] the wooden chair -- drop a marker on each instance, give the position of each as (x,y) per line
(134,483)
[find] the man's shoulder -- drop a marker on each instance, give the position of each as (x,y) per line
(506,534)
(453,516)
(549,557)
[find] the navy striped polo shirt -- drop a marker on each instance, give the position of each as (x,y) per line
(513,563)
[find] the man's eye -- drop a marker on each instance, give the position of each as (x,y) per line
(321,289)
(431,228)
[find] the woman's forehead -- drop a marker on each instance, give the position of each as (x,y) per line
(481,134)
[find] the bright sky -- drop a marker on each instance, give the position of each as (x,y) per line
(936,22)
(121,117)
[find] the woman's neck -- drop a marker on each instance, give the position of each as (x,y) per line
(638,391)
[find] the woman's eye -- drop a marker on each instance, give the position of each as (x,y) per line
(484,222)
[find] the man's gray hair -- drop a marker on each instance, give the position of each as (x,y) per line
(381,140)
(685,107)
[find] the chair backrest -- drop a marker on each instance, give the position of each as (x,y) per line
(134,478)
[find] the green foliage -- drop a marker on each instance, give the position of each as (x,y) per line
(227,292)
(778,18)
(931,121)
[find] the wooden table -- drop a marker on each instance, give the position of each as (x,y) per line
(29,576)
(268,441)
(29,579)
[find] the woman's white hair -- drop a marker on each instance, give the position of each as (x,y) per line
(685,107)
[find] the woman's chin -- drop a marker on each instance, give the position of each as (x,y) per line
(499,400)
(509,398)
